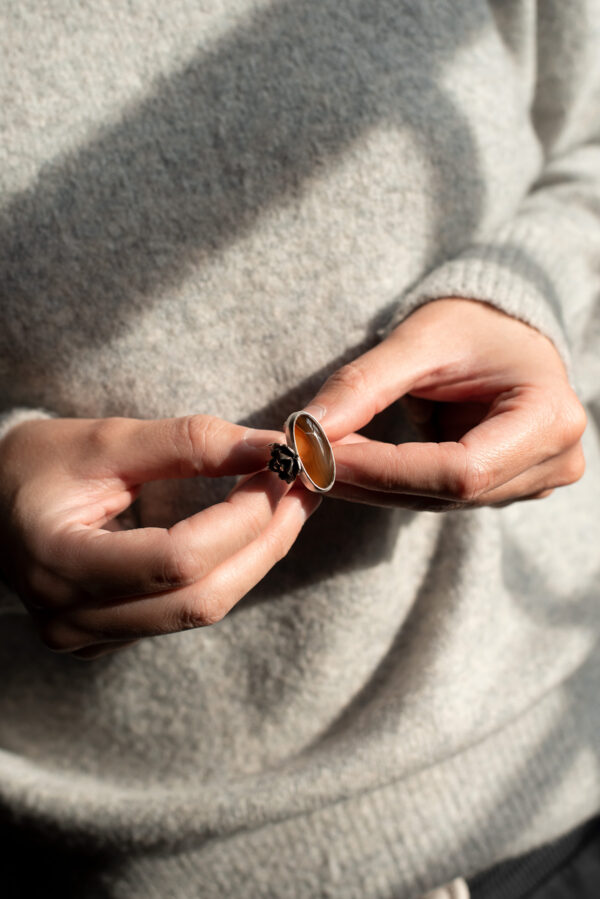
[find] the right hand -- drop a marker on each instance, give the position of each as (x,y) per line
(91,587)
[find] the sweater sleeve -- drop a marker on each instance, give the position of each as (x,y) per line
(543,265)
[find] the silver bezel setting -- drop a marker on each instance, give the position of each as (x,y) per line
(290,439)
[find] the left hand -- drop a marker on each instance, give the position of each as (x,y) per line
(506,423)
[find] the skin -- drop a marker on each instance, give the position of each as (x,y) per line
(92,587)
(490,394)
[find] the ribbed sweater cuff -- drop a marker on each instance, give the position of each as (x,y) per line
(503,275)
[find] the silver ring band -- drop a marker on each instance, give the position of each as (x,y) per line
(307,454)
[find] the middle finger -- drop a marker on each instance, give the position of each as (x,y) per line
(200,604)
(135,562)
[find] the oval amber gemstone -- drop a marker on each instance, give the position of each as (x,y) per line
(314,450)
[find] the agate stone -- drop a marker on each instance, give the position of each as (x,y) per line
(314,450)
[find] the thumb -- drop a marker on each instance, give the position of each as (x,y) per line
(137,450)
(355,393)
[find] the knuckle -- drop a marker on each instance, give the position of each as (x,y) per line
(567,418)
(542,494)
(178,568)
(103,435)
(390,468)
(351,377)
(46,591)
(188,437)
(573,468)
(194,436)
(37,583)
(195,429)
(54,637)
(35,589)
(279,543)
(199,612)
(60,551)
(46,547)
(576,418)
(473,481)
(254,524)
(387,476)
(33,524)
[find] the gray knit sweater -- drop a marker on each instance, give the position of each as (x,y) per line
(208,206)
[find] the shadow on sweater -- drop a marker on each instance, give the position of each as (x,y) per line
(243,127)
(190,169)
(34,865)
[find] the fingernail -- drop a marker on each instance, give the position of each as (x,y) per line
(419,411)
(316,503)
(308,502)
(258,445)
(238,483)
(342,472)
(262,439)
(316,410)
(276,487)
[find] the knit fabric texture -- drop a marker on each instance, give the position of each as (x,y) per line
(210,206)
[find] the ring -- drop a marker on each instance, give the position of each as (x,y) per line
(307,453)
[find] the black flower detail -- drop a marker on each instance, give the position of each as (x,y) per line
(284,462)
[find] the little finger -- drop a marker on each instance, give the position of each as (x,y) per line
(412,501)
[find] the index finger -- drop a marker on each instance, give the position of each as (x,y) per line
(355,393)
